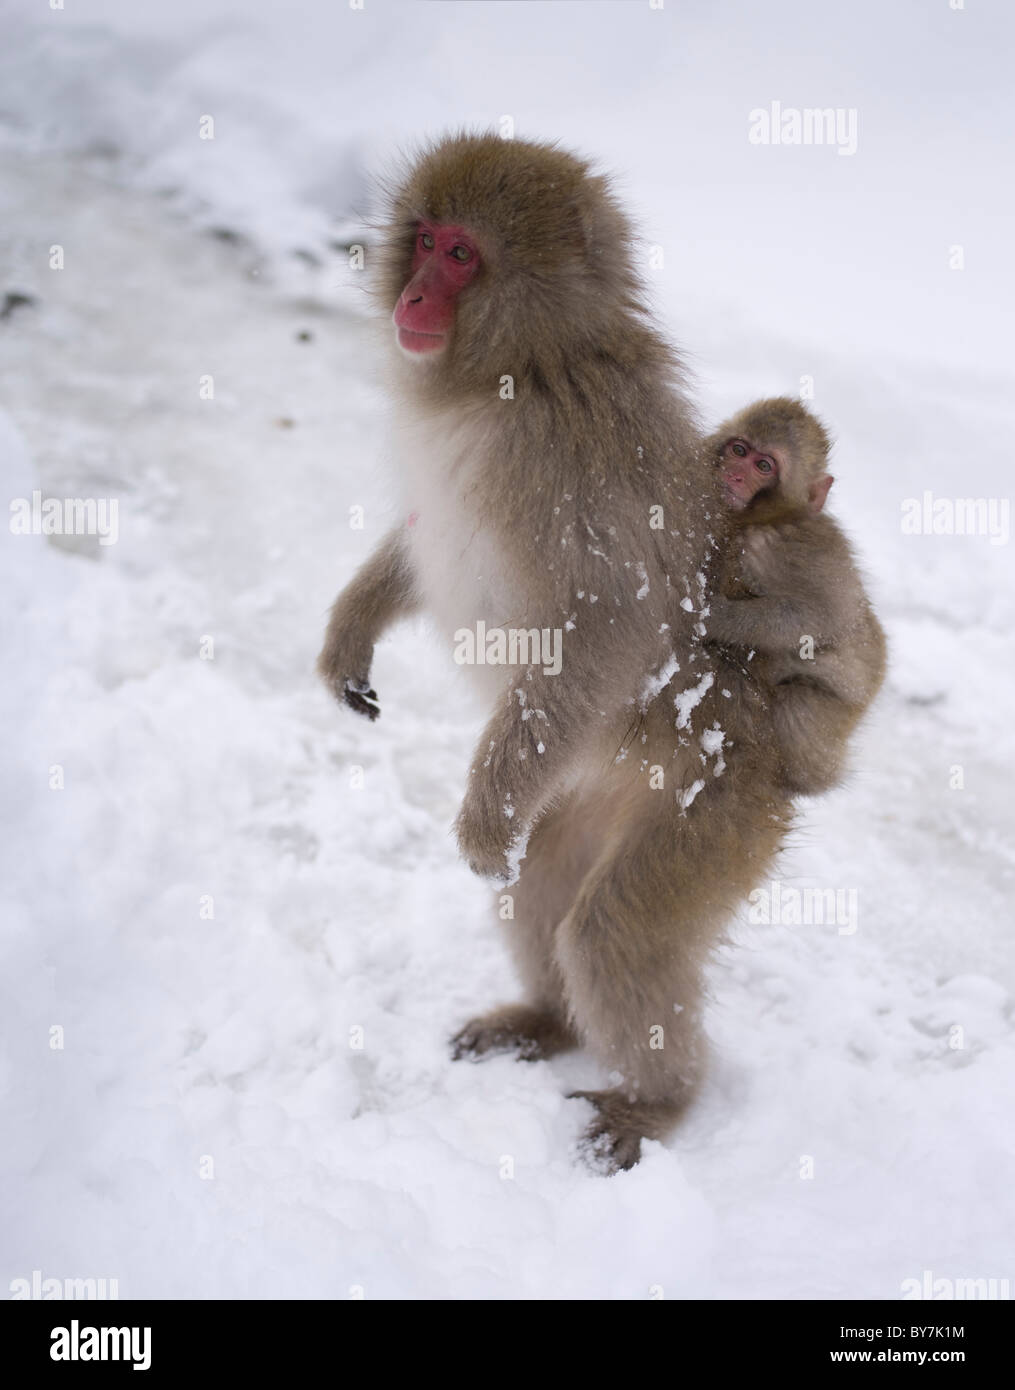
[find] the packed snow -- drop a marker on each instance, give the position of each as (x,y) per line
(236,933)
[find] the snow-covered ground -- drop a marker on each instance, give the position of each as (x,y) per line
(208,1127)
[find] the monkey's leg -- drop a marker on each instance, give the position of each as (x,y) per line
(811,728)
(633,949)
(561,849)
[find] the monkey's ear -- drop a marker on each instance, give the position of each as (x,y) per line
(817,492)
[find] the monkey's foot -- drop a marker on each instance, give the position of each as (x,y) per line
(612,1142)
(533,1034)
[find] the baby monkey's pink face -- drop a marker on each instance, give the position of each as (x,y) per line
(746,471)
(444,260)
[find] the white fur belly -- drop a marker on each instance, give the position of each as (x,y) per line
(461,572)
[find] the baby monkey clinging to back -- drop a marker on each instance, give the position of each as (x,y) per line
(789,591)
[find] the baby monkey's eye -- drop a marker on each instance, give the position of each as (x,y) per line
(426,241)
(461,253)
(764,465)
(740,450)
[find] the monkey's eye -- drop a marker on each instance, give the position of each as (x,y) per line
(740,450)
(426,241)
(461,253)
(764,465)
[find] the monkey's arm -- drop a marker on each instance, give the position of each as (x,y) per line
(768,623)
(381,591)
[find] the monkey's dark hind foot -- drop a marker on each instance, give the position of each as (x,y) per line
(612,1142)
(531,1034)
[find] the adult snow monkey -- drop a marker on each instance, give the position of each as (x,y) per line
(553,481)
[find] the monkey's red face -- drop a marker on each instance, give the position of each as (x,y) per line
(746,471)
(444,261)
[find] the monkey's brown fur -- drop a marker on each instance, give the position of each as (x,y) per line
(537,512)
(790,574)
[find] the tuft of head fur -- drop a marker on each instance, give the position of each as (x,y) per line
(557,283)
(780,422)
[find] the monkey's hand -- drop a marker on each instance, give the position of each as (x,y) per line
(361,699)
(726,618)
(381,591)
(355,691)
(767,623)
(489,836)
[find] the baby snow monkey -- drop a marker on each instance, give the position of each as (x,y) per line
(789,603)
